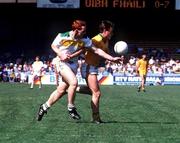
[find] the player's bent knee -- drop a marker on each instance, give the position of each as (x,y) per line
(74,83)
(60,91)
(97,94)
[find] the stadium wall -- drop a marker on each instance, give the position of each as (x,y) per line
(166,79)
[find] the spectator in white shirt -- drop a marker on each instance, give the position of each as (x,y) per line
(37,68)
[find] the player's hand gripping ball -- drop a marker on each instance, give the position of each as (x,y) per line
(121,48)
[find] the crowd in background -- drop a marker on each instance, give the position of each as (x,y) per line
(19,70)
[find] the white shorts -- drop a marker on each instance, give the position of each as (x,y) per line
(37,73)
(72,65)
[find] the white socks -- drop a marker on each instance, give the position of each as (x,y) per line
(70,106)
(46,106)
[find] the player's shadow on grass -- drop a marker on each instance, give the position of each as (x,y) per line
(131,122)
(141,122)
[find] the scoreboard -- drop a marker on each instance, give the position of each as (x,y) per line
(112,4)
(129,4)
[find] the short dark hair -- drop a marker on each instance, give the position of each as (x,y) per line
(105,24)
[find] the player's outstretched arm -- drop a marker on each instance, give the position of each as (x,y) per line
(106,56)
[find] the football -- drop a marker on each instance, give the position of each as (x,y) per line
(121,47)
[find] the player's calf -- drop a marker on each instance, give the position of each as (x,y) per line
(96,118)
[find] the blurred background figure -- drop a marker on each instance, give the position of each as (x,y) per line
(141,70)
(37,68)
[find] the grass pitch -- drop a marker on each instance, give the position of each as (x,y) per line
(131,117)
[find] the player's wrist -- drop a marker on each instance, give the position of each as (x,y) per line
(112,59)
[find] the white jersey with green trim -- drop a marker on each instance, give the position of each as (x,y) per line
(68,44)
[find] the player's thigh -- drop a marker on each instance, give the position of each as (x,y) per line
(68,75)
(93,82)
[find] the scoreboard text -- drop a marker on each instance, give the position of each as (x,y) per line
(129,4)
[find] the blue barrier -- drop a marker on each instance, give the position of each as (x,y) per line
(168,79)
